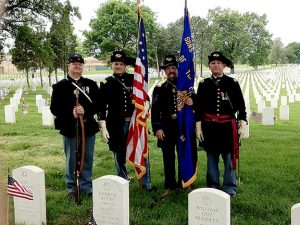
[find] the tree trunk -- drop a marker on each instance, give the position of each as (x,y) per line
(56,78)
(41,77)
(27,77)
(49,78)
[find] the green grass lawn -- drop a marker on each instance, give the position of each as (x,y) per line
(269,170)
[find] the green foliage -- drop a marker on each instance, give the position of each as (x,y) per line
(277,54)
(116,27)
(26,21)
(269,170)
(61,37)
(242,37)
(292,52)
(16,13)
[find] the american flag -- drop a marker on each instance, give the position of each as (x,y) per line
(16,189)
(137,142)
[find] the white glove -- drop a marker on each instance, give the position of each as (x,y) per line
(146,109)
(199,133)
(103,130)
(242,128)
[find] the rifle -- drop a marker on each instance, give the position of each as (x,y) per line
(238,176)
(79,155)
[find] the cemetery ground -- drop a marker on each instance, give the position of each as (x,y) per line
(269,172)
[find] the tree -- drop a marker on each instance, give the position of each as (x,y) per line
(17,13)
(258,47)
(242,37)
(228,32)
(35,15)
(292,52)
(277,54)
(202,34)
(62,38)
(116,27)
(169,39)
(23,54)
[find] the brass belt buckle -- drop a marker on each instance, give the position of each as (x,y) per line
(174,116)
(215,119)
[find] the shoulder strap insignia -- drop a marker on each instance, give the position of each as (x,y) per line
(103,81)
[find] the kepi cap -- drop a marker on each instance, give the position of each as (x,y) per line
(120,56)
(169,60)
(75,57)
(216,55)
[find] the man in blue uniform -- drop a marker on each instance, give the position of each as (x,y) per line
(116,111)
(220,100)
(164,123)
(72,98)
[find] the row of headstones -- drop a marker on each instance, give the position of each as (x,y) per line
(3,93)
(42,107)
(11,109)
(111,201)
(267,112)
(266,88)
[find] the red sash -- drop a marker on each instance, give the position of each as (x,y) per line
(212,118)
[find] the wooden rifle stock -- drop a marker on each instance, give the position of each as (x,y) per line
(79,155)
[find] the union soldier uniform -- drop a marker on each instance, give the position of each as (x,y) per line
(63,101)
(164,117)
(219,100)
(165,124)
(116,109)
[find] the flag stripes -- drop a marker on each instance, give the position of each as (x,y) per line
(14,188)
(137,142)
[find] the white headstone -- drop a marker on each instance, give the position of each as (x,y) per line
(291,98)
(260,106)
(284,112)
(268,116)
(30,212)
(283,100)
(297,97)
(295,214)
(10,116)
(274,103)
(37,97)
(33,87)
(15,102)
(47,117)
(2,94)
(111,200)
(40,104)
(208,206)
(247,130)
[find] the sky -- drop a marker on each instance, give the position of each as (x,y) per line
(283,16)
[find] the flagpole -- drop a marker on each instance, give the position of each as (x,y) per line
(137,48)
(7,207)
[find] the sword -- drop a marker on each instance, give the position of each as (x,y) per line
(82,92)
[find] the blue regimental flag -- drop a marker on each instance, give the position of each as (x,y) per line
(186,122)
